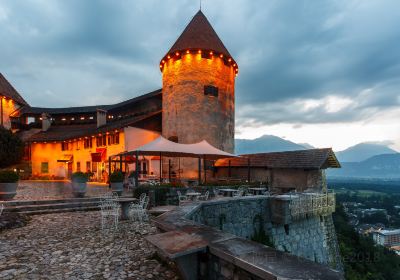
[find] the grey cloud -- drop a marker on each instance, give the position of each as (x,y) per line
(88,52)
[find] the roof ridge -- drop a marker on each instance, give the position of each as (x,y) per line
(9,91)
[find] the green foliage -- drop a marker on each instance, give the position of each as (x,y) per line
(11,148)
(116,177)
(361,258)
(8,176)
(80,177)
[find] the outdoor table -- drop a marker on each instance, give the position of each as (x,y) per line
(125,202)
(193,195)
(257,191)
(228,192)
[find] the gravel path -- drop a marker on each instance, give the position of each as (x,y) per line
(72,246)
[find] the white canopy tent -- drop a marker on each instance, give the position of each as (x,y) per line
(163,147)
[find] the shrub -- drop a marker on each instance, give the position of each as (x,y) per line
(79,177)
(8,176)
(11,148)
(116,177)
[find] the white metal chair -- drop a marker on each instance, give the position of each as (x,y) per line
(181,198)
(109,209)
(216,193)
(139,212)
(239,192)
(205,196)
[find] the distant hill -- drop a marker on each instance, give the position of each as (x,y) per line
(264,144)
(380,166)
(363,151)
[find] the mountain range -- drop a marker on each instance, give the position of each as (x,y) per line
(372,160)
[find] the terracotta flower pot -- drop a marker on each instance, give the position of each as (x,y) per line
(8,190)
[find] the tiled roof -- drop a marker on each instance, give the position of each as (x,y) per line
(7,90)
(199,34)
(69,132)
(88,109)
(303,159)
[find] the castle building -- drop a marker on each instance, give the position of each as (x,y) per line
(196,103)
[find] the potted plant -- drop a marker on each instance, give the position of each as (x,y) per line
(117,182)
(8,184)
(79,180)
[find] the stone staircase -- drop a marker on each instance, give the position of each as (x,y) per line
(34,207)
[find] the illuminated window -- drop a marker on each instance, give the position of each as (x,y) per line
(78,166)
(30,120)
(64,146)
(101,141)
(88,169)
(91,117)
(87,143)
(44,167)
(113,139)
(211,91)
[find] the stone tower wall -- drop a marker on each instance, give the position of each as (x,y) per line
(188,113)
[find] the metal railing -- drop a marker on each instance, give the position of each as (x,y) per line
(312,204)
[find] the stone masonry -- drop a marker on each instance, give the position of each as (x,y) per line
(312,237)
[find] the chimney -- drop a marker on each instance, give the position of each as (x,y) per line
(46,121)
(101,117)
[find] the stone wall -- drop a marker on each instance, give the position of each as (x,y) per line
(312,237)
(229,215)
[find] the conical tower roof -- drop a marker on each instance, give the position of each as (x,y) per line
(7,90)
(200,35)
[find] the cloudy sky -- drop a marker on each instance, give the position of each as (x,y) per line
(322,72)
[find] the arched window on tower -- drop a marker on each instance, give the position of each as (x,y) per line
(211,91)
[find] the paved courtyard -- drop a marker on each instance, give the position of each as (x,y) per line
(72,246)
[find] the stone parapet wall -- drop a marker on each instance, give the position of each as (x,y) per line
(311,237)
(229,215)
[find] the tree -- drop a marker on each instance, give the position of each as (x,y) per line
(11,148)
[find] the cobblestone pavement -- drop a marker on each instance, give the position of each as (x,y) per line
(43,190)
(73,246)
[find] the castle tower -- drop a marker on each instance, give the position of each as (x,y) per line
(198,92)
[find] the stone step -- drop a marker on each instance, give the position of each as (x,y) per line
(49,201)
(38,207)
